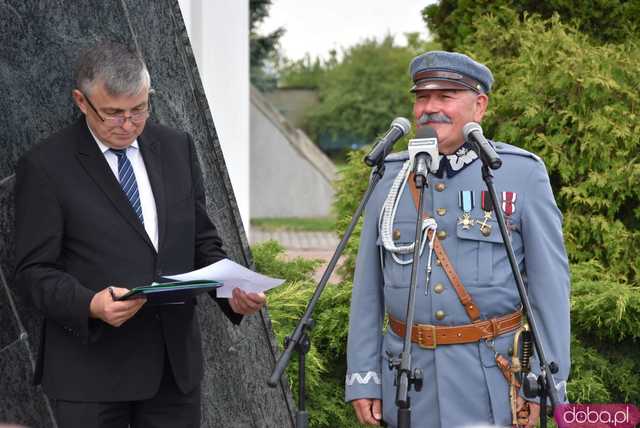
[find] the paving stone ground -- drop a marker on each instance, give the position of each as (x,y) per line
(309,245)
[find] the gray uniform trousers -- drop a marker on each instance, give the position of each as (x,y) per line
(462,384)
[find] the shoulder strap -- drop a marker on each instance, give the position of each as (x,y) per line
(465,298)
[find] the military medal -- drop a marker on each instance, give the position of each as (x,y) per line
(509,203)
(487,207)
(509,207)
(465,202)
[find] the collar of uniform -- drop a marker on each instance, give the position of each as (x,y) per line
(456,162)
(103,147)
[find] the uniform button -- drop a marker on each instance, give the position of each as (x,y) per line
(441,211)
(438,288)
(440,315)
(442,234)
(440,187)
(396,234)
(438,262)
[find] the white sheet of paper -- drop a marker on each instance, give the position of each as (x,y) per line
(232,275)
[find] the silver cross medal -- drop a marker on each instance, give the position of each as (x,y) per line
(465,202)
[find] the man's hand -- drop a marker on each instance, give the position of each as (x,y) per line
(246,303)
(113,312)
(534,411)
(369,412)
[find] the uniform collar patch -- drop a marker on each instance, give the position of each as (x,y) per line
(456,162)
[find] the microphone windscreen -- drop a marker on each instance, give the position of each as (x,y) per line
(402,123)
(469,128)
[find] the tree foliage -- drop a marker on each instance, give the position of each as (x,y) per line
(350,186)
(262,48)
(304,73)
(605,315)
(607,21)
(362,93)
(576,104)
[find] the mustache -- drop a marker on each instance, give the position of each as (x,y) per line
(435,117)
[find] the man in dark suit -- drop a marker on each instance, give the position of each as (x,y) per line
(108,203)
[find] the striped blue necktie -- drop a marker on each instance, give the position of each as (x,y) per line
(128,181)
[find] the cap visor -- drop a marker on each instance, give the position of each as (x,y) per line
(426,85)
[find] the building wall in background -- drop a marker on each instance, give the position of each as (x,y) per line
(293,103)
(219,34)
(290,176)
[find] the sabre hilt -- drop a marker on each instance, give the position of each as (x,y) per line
(527,350)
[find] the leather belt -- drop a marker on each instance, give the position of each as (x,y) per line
(430,336)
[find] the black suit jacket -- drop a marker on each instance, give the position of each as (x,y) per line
(76,234)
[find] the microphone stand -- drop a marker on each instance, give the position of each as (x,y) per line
(300,341)
(405,376)
(543,385)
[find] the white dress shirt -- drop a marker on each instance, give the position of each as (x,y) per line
(147,201)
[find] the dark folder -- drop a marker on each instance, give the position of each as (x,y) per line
(171,292)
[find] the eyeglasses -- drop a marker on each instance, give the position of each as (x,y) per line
(136,116)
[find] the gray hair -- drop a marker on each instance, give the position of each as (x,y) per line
(121,70)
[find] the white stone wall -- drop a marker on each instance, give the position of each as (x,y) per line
(219,35)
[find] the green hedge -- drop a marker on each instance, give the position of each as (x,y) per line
(326,360)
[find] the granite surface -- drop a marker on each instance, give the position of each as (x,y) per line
(41,40)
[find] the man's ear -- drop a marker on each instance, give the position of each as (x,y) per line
(80,100)
(482,101)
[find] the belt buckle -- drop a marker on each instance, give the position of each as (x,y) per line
(433,334)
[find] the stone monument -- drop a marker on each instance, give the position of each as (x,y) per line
(40,43)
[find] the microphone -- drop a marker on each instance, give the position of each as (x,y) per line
(473,135)
(424,155)
(399,127)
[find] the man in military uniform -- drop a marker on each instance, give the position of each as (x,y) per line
(465,321)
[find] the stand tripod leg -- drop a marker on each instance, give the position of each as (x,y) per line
(302,416)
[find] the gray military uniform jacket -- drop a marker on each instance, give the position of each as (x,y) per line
(462,383)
